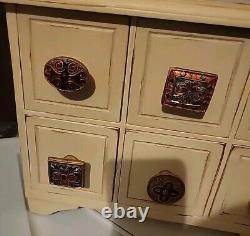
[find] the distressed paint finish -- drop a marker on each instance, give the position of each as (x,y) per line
(45,198)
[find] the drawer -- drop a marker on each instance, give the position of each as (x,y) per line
(71,160)
(201,75)
(72,62)
(243,131)
(151,161)
(233,198)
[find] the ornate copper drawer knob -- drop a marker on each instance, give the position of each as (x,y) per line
(67,172)
(188,90)
(66,74)
(165,188)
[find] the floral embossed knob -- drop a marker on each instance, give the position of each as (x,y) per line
(165,188)
(66,74)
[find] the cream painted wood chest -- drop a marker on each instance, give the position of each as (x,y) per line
(144,103)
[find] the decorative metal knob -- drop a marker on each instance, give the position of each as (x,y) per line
(67,171)
(188,90)
(66,74)
(165,188)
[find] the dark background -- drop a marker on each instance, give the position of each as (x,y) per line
(7,99)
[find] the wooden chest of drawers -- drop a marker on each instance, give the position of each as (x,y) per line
(139,111)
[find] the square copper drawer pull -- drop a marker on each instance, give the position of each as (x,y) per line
(188,90)
(67,171)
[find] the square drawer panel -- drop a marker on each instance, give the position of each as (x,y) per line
(243,131)
(157,168)
(71,159)
(203,76)
(233,198)
(88,86)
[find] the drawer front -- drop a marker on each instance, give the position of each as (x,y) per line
(233,198)
(243,131)
(71,159)
(72,63)
(191,164)
(186,81)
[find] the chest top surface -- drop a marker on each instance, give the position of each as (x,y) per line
(218,12)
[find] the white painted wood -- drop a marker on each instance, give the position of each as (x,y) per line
(243,131)
(233,197)
(222,12)
(95,145)
(194,161)
(122,124)
(157,49)
(17,78)
(101,46)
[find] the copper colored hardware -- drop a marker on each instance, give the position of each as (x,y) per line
(67,171)
(165,188)
(188,90)
(66,74)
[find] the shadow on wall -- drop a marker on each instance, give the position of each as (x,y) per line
(136,195)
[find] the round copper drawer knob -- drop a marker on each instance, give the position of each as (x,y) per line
(165,188)
(66,74)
